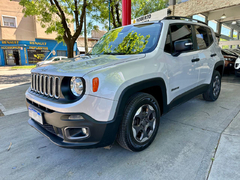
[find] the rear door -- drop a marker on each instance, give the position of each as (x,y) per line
(206,53)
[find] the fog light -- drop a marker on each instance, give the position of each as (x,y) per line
(75,133)
(85,131)
(75,117)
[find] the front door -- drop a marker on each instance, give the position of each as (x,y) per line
(183,70)
(12,57)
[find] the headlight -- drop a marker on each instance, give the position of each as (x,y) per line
(76,86)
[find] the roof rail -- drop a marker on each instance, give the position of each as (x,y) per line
(180,18)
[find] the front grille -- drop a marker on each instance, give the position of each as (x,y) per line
(46,85)
(49,128)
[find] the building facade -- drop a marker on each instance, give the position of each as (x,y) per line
(95,36)
(22,39)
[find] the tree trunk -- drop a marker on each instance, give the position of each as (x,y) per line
(70,46)
(118,15)
(85,34)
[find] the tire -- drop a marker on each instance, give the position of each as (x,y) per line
(237,74)
(140,122)
(214,89)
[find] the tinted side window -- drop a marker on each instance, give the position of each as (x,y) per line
(210,36)
(168,47)
(56,59)
(201,37)
(180,32)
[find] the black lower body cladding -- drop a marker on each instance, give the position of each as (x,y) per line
(101,134)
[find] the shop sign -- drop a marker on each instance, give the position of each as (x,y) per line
(38,48)
(38,43)
(143,18)
(10,42)
(11,47)
(39,56)
(158,15)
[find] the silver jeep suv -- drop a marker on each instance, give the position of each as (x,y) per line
(120,90)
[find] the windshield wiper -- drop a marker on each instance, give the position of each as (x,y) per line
(109,53)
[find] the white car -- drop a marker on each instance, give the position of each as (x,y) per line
(237,67)
(52,59)
(132,76)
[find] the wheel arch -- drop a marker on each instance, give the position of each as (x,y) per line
(156,87)
(219,66)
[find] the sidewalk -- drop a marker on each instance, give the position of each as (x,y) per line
(12,77)
(226,164)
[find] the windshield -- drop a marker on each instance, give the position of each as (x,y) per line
(129,40)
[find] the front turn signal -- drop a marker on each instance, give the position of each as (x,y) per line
(95,84)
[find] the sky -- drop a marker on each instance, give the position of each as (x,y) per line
(224,30)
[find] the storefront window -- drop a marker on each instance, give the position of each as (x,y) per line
(62,53)
(35,56)
(12,57)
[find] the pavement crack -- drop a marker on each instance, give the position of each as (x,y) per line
(206,113)
(215,151)
(224,108)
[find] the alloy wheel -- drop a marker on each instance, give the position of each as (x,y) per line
(144,123)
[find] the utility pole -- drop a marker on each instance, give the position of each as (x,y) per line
(85,34)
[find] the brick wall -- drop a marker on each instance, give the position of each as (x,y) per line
(192,7)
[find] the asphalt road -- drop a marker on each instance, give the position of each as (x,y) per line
(196,140)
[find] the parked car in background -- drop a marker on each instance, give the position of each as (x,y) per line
(230,59)
(52,59)
(237,67)
(236,51)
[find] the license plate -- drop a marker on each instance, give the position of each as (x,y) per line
(36,115)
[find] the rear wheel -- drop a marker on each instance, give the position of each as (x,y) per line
(214,89)
(140,122)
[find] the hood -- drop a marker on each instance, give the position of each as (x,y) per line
(84,65)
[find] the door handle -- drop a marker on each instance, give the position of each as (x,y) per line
(212,55)
(195,60)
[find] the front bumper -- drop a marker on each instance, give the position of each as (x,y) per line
(101,133)
(229,66)
(237,72)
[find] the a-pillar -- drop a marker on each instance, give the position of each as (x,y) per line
(126,12)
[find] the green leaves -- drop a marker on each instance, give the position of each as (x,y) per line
(143,7)
(56,15)
(132,43)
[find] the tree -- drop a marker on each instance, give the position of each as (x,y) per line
(56,15)
(100,12)
(143,7)
(85,34)
(139,8)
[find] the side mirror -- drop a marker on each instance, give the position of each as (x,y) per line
(183,45)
